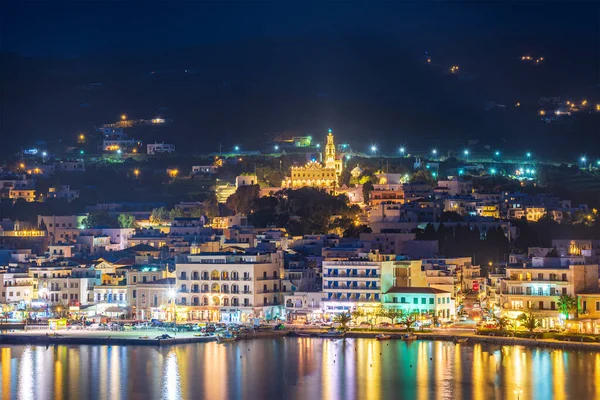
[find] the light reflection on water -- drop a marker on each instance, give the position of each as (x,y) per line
(299,368)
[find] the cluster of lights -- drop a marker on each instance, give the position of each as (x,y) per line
(529,58)
(454,69)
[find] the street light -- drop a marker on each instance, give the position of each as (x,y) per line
(493,171)
(318,145)
(136,172)
(528,154)
(123,117)
(497,153)
(172,293)
(402,150)
(434,152)
(373,149)
(236,148)
(276,148)
(119,151)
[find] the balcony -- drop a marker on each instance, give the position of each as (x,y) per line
(247,292)
(352,289)
(183,278)
(246,278)
(532,294)
(235,292)
(352,276)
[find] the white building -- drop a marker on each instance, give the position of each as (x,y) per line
(245,180)
(539,285)
(230,286)
(361,280)
(63,192)
(158,148)
(17,288)
(422,300)
(204,169)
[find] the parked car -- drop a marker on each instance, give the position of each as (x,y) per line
(462,318)
(384,325)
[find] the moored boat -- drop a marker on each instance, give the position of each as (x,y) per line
(409,336)
(383,336)
(461,340)
(225,339)
(333,334)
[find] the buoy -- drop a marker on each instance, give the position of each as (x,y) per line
(430,358)
(411,365)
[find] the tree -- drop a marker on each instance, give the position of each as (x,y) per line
(408,318)
(210,206)
(567,305)
(160,216)
(393,314)
(423,176)
(502,322)
(343,319)
(379,312)
(354,231)
(242,201)
(100,219)
(126,221)
(175,213)
(529,320)
(357,313)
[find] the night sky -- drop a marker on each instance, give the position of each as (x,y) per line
(68,28)
(260,68)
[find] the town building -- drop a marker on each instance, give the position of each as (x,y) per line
(63,192)
(230,287)
(422,300)
(539,284)
(160,148)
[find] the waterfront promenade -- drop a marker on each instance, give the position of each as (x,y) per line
(149,337)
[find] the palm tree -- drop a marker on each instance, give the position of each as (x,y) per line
(567,304)
(502,322)
(356,314)
(529,320)
(343,319)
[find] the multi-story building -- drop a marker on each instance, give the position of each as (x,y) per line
(141,296)
(26,194)
(539,285)
(230,286)
(386,193)
(63,192)
(154,300)
(356,280)
(67,287)
(17,288)
(61,228)
(422,300)
(303,306)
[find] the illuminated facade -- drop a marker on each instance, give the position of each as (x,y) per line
(315,174)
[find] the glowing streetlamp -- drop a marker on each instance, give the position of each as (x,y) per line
(528,154)
(493,171)
(119,151)
(236,148)
(497,153)
(44,154)
(373,149)
(136,172)
(276,148)
(318,145)
(402,150)
(434,152)
(583,160)
(123,117)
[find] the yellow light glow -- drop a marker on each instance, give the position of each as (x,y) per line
(82,137)
(22,166)
(542,112)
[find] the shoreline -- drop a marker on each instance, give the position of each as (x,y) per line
(97,338)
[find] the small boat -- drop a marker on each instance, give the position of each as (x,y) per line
(461,340)
(333,334)
(225,339)
(383,336)
(409,336)
(304,334)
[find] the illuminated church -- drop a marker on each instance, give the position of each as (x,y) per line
(314,173)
